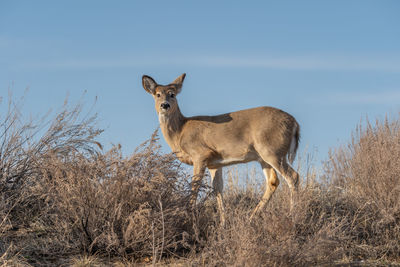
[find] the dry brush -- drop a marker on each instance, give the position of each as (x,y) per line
(62,197)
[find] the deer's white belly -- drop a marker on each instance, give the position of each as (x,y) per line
(234,160)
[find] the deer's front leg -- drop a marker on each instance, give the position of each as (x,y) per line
(198,174)
(218,185)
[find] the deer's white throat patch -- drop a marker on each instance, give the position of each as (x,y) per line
(162,118)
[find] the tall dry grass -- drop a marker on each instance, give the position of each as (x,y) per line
(367,171)
(350,214)
(61,195)
(65,201)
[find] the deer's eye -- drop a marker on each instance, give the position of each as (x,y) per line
(171,95)
(158,94)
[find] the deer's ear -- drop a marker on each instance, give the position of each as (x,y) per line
(178,83)
(149,84)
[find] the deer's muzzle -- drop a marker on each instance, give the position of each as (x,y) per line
(165,106)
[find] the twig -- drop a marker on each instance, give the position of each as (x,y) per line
(163,227)
(154,245)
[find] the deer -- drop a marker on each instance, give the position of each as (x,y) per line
(267,135)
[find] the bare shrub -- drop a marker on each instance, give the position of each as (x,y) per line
(368,172)
(61,195)
(351,214)
(23,146)
(132,207)
(64,201)
(310,235)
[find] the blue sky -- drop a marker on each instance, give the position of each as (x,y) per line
(328,63)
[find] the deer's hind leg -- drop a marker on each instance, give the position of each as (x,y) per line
(281,165)
(271,183)
(218,185)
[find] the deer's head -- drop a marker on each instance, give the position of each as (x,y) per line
(164,95)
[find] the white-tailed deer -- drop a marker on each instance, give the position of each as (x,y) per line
(264,134)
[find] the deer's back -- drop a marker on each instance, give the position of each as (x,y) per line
(235,135)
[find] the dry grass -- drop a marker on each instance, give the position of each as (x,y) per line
(367,171)
(64,201)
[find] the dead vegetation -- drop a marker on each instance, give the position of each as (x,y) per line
(64,201)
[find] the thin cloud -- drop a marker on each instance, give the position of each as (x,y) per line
(288,63)
(306,63)
(388,97)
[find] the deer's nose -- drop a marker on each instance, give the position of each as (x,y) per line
(165,105)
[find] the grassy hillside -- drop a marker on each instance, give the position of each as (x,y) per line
(65,201)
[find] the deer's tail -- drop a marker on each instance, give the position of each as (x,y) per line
(294,144)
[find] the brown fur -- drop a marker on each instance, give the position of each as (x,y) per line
(262,134)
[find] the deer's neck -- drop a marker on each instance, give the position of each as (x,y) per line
(171,127)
